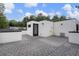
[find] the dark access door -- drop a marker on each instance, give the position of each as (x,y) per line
(35,29)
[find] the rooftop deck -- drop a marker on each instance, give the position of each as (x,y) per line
(39,46)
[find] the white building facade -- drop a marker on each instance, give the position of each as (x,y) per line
(47,28)
(62,28)
(42,28)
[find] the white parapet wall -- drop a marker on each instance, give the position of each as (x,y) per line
(74,38)
(6,37)
(24,32)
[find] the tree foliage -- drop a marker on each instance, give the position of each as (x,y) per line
(56,18)
(32,17)
(41,17)
(3,22)
(20,24)
(62,18)
(12,23)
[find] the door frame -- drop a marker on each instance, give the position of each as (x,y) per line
(34,29)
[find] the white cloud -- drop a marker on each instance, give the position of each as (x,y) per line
(21,18)
(74,14)
(58,13)
(9,7)
(7,11)
(28,14)
(20,11)
(40,11)
(67,7)
(71,11)
(31,4)
(52,14)
(70,14)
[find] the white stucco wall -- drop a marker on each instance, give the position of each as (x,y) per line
(30,29)
(74,38)
(68,25)
(6,37)
(45,28)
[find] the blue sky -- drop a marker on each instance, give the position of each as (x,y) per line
(18,10)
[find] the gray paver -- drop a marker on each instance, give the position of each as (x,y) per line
(39,46)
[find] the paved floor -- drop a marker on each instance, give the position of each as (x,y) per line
(38,46)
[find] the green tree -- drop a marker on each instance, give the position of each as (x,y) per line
(62,18)
(20,24)
(25,20)
(32,17)
(41,17)
(3,22)
(12,23)
(55,18)
(47,18)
